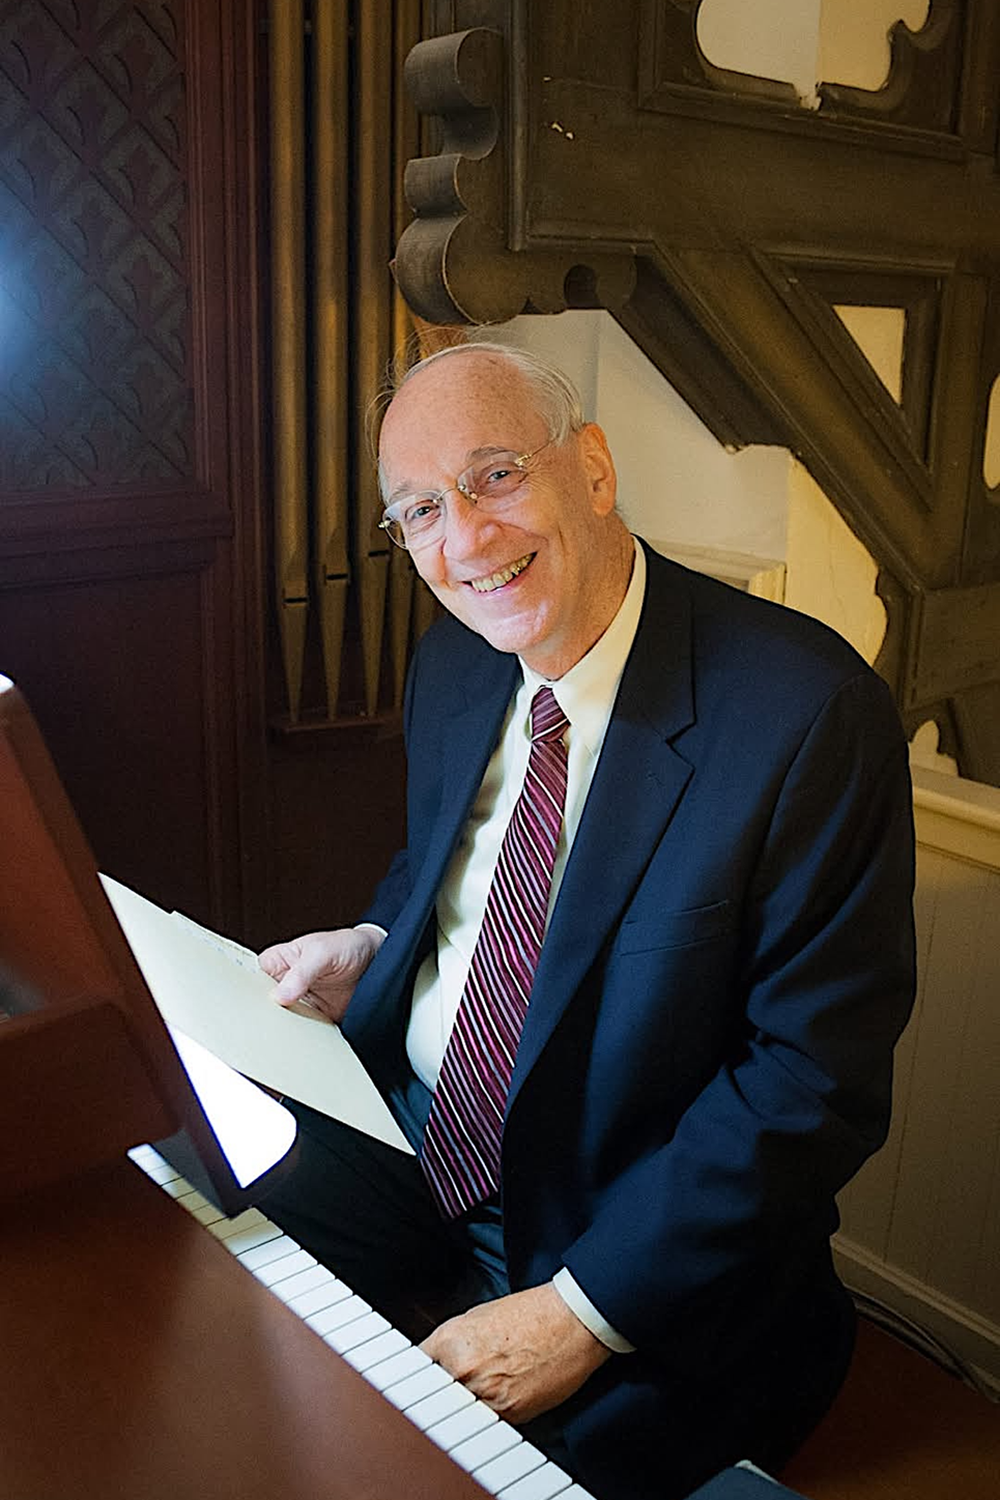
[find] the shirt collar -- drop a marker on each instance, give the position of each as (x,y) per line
(586,693)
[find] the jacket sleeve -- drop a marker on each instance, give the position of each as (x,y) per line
(701,1232)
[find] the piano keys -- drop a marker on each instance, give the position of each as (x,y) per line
(473,1436)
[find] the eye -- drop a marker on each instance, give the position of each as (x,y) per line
(419,511)
(498,479)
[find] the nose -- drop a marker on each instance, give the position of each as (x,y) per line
(463,524)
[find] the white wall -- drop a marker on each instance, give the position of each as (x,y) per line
(675,481)
(678,487)
(921,1221)
(803,42)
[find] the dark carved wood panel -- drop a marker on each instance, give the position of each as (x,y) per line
(342,797)
(598,138)
(94,269)
(135,518)
(124,720)
(130,510)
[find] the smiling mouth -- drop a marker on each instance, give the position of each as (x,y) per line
(503,576)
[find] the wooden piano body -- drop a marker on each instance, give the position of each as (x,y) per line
(139,1359)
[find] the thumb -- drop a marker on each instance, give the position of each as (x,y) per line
(292,986)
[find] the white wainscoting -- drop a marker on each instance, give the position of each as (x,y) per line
(921,1222)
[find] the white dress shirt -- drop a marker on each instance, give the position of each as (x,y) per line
(586,695)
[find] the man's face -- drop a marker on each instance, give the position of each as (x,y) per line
(542,579)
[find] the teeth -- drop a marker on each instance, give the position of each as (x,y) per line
(497,580)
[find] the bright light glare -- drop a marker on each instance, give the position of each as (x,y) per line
(254,1130)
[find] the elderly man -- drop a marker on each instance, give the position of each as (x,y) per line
(632,988)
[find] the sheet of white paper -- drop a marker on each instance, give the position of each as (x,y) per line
(212,990)
(254,1130)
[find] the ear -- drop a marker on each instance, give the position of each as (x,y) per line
(599,467)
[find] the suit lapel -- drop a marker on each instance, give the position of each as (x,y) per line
(472,705)
(637,783)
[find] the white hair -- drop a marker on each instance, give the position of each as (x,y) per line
(556,397)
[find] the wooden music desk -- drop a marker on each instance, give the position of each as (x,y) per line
(140,1362)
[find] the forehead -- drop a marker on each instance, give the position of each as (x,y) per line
(448,411)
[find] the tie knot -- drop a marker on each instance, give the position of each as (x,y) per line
(548,722)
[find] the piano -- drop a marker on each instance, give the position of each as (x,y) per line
(161,1340)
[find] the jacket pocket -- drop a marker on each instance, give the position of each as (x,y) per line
(675,929)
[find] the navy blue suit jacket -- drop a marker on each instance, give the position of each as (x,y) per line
(706,1057)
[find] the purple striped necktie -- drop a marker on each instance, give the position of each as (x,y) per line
(461,1149)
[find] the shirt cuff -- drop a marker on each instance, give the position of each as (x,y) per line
(579,1303)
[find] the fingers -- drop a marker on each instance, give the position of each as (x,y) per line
(293,986)
(273,961)
(321,968)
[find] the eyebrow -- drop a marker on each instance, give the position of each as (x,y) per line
(410,487)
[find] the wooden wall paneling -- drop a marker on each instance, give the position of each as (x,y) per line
(123,425)
(920,1222)
(948,1160)
(126,717)
(936,1080)
(964,1260)
(341,792)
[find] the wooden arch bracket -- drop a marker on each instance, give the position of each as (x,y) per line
(454,263)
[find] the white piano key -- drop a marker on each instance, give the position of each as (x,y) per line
(209,1215)
(425,1382)
(287,1265)
(192,1199)
(261,1255)
(162,1172)
(339,1313)
(249,1239)
(314,1301)
(386,1374)
(145,1156)
(514,1464)
(542,1484)
(250,1218)
(442,1404)
(465,1428)
(376,1350)
(478,1450)
(176,1186)
(461,1425)
(305,1281)
(359,1332)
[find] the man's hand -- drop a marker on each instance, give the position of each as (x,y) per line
(522,1354)
(321,968)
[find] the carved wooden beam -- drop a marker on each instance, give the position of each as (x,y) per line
(453,263)
(590,154)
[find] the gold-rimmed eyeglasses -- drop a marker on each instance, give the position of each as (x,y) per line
(492,484)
